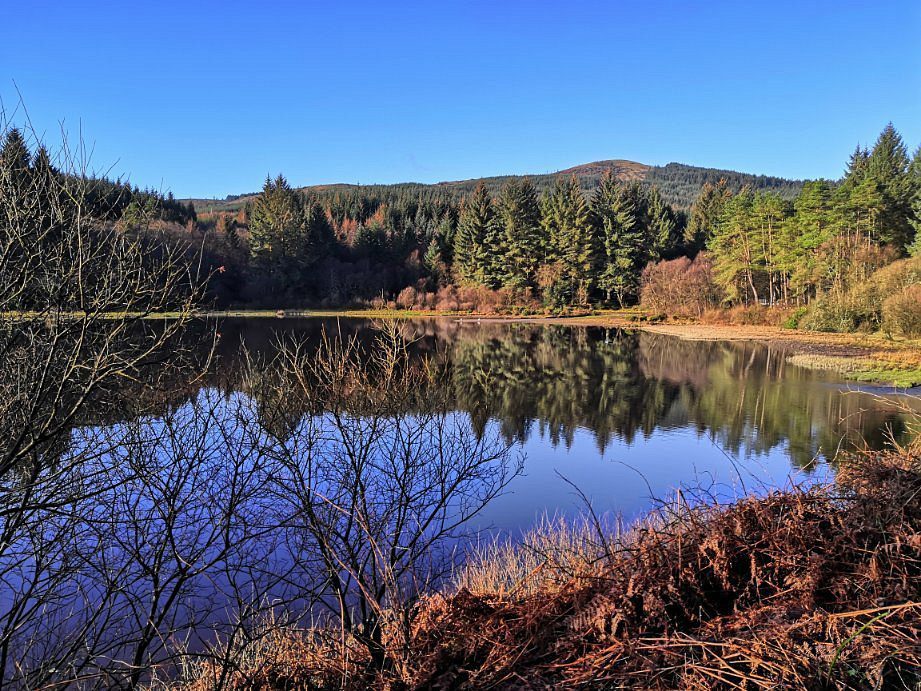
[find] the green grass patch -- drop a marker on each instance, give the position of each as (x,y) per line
(863,369)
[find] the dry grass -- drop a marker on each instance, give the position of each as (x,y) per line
(800,589)
(814,588)
(553,554)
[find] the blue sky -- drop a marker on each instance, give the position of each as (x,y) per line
(206,98)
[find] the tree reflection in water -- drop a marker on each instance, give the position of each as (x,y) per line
(554,380)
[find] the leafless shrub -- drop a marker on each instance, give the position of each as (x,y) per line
(74,292)
(679,287)
(377,482)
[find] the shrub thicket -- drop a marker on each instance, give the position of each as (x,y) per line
(679,287)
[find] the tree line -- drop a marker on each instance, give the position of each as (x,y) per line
(558,246)
(832,235)
(101,198)
(554,242)
(770,241)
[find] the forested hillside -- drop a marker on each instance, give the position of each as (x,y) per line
(599,234)
(678,183)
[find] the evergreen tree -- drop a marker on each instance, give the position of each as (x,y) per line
(319,230)
(475,227)
(769,212)
(518,212)
(706,213)
(814,223)
(735,249)
(15,160)
(915,176)
(572,240)
(888,167)
(279,239)
(434,261)
(624,248)
(662,226)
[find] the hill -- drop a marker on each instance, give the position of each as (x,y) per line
(678,183)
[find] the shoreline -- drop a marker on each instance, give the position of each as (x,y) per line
(871,358)
(864,357)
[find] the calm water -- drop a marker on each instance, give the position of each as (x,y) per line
(622,417)
(197,506)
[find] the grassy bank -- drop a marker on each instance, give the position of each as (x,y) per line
(862,369)
(806,588)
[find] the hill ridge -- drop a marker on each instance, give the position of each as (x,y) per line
(679,183)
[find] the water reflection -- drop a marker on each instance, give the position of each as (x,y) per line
(619,385)
(184,505)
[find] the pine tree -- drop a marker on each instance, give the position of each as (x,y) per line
(475,227)
(769,212)
(623,243)
(518,216)
(735,249)
(705,213)
(815,222)
(915,176)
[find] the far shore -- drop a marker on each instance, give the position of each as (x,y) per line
(873,358)
(866,357)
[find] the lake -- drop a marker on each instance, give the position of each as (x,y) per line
(622,418)
(210,498)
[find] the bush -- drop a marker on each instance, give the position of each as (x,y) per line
(796,316)
(898,275)
(862,306)
(407,298)
(680,287)
(831,313)
(902,312)
(446,299)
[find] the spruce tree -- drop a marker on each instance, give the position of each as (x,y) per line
(434,261)
(623,250)
(320,234)
(705,213)
(518,216)
(475,228)
(279,240)
(572,240)
(663,226)
(888,167)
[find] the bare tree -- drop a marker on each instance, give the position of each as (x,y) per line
(134,518)
(377,481)
(74,294)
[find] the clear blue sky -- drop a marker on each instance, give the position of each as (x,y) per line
(206,98)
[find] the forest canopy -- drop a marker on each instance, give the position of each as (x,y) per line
(580,238)
(583,237)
